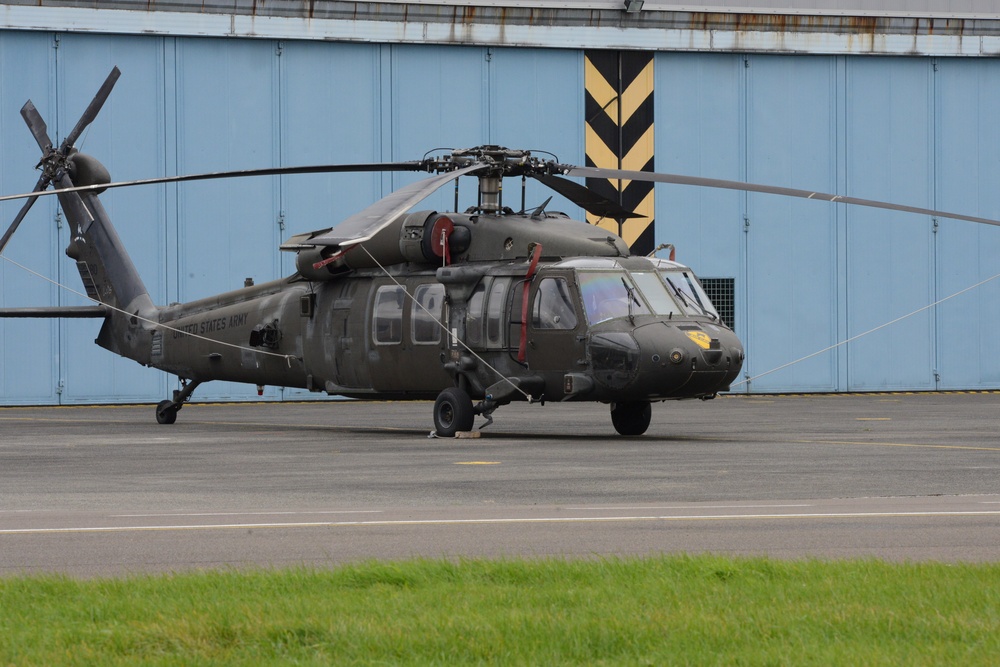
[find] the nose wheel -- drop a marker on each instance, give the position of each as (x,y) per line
(631,417)
(166,412)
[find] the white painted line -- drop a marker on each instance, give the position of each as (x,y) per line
(143,516)
(681,507)
(471,522)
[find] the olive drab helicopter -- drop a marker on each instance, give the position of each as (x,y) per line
(473,310)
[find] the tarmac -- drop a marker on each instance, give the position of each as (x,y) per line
(106,491)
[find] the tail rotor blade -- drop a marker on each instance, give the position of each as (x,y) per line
(43,183)
(92,110)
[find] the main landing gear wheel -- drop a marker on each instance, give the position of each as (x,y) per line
(631,418)
(453,412)
(166,412)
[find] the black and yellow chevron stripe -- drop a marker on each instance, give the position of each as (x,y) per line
(619,135)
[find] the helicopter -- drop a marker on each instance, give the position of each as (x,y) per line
(472,309)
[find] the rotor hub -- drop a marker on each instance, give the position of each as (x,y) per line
(497,162)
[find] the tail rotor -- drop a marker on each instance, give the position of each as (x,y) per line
(57,165)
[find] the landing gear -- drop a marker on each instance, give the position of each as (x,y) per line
(453,412)
(166,411)
(631,418)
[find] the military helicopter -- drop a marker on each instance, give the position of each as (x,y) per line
(474,310)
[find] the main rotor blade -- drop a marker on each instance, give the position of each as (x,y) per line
(90,113)
(270,171)
(586,198)
(368,222)
(677,179)
(37,125)
(43,183)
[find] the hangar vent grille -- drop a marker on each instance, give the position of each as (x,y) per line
(722,292)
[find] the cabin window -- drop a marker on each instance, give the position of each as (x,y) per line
(494,311)
(388,316)
(553,307)
(426,313)
(474,317)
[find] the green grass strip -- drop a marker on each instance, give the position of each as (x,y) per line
(702,610)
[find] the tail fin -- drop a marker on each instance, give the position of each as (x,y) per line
(108,274)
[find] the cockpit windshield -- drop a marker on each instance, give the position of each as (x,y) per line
(616,293)
(689,292)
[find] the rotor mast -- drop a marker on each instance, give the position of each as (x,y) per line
(497,163)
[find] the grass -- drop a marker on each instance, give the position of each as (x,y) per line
(701,610)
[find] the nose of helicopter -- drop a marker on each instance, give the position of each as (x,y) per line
(686,360)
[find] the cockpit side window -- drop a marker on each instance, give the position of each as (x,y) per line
(474,316)
(494,311)
(553,307)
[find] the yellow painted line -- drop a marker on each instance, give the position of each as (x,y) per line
(206,422)
(897,444)
(477,463)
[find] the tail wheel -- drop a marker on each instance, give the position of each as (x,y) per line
(453,412)
(631,418)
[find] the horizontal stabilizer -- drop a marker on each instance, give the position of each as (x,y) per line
(57,311)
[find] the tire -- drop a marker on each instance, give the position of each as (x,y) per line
(631,418)
(453,412)
(166,413)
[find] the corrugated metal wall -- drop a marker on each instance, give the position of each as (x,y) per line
(807,274)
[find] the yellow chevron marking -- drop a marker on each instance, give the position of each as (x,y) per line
(599,88)
(639,154)
(634,227)
(647,209)
(636,157)
(600,154)
(598,151)
(637,92)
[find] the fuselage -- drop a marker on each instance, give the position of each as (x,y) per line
(602,329)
